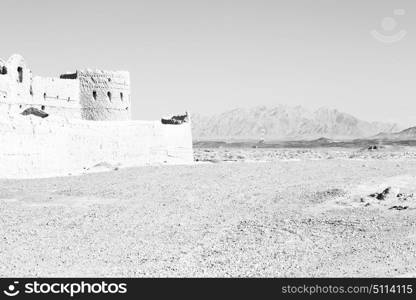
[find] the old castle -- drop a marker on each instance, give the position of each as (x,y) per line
(88,95)
(89,122)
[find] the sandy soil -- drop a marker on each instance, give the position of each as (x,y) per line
(275,218)
(273,154)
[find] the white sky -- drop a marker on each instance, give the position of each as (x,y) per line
(209,56)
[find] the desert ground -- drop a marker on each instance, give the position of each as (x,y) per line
(235,212)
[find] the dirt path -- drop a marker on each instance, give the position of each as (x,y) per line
(223,219)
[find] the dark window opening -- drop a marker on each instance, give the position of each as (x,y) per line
(20,74)
(20,106)
(109,96)
(127,108)
(121,96)
(109,79)
(31,90)
(94,95)
(3,70)
(43,107)
(44,95)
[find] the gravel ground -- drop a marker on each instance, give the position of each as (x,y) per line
(273,154)
(277,218)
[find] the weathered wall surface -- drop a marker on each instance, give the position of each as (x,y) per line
(35,147)
(105,95)
(14,89)
(19,90)
(58,97)
(17,80)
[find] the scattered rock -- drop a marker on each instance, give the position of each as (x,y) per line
(382,195)
(399,207)
(404,197)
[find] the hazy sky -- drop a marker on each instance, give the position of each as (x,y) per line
(212,55)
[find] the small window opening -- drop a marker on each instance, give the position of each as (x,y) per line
(109,79)
(121,96)
(43,107)
(109,96)
(94,95)
(3,70)
(44,96)
(20,74)
(31,91)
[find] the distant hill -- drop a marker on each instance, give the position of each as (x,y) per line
(407,134)
(285,123)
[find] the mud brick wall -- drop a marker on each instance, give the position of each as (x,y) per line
(105,96)
(35,147)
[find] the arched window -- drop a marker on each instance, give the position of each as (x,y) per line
(109,96)
(20,74)
(94,95)
(121,96)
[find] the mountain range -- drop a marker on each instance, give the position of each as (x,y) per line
(287,123)
(406,134)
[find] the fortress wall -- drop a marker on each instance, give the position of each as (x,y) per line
(35,147)
(59,97)
(54,96)
(29,149)
(19,79)
(50,108)
(67,141)
(13,91)
(105,95)
(46,89)
(86,94)
(5,91)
